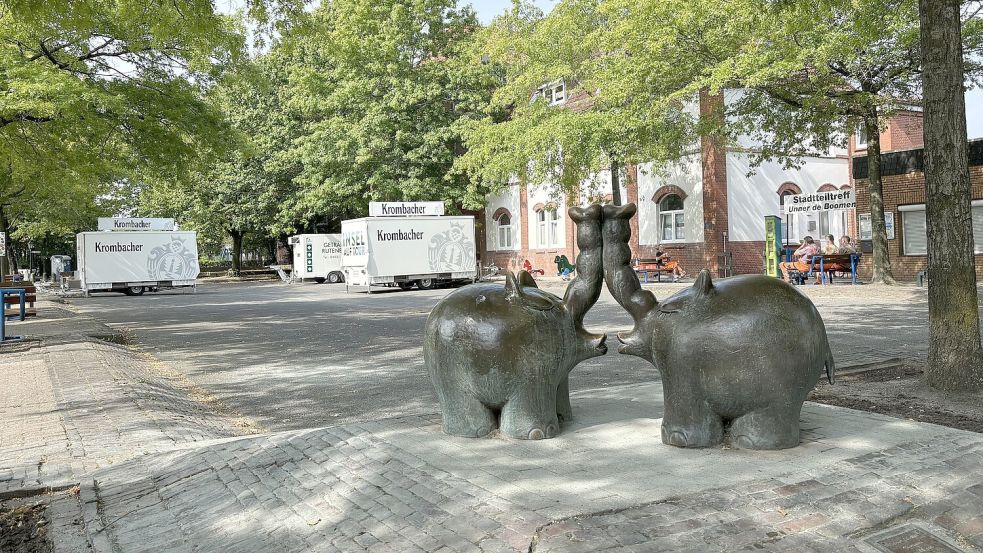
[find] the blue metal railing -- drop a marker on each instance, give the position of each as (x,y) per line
(21,293)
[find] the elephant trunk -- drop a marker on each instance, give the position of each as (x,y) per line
(582,293)
(620,277)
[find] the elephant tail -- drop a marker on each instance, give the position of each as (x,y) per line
(830,366)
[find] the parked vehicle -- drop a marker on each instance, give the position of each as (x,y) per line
(317,257)
(134,262)
(424,252)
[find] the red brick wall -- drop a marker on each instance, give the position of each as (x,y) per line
(904,132)
(748,257)
(905,189)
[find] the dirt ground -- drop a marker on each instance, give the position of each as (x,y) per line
(900,391)
(23,527)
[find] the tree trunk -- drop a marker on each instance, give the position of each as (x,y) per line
(955,361)
(882,263)
(10,257)
(236,251)
(615,183)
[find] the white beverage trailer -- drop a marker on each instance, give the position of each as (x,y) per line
(136,261)
(318,257)
(421,251)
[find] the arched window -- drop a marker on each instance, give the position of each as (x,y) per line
(671,218)
(547,227)
(504,223)
(789,225)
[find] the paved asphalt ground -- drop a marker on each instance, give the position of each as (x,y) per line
(308,355)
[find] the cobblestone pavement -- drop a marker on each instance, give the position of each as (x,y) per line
(78,403)
(605,483)
(164,466)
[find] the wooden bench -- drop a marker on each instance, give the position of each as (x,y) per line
(12,304)
(824,266)
(646,266)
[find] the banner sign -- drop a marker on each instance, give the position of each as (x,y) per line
(135,224)
(820,201)
(405,209)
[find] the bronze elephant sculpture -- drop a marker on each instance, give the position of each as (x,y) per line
(499,356)
(742,353)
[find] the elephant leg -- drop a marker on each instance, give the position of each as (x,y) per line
(773,427)
(564,411)
(531,415)
(691,423)
(464,415)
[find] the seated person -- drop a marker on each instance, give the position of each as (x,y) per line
(829,248)
(802,257)
(527,267)
(846,246)
(662,260)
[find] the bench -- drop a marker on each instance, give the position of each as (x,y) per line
(11,304)
(825,265)
(646,266)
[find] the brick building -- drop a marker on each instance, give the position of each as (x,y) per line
(705,210)
(903,183)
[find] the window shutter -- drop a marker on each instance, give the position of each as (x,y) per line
(978,228)
(913,226)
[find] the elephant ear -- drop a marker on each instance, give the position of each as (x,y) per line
(703,284)
(512,291)
(526,279)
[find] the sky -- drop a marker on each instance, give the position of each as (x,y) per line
(487,9)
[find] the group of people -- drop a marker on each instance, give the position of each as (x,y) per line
(802,257)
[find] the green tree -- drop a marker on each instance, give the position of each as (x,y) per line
(597,128)
(98,96)
(379,86)
(955,359)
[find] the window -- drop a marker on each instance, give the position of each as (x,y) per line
(914,233)
(541,228)
(671,219)
(861,137)
(790,220)
(554,227)
(913,238)
(504,231)
(555,92)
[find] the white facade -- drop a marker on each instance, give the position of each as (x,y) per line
(687,174)
(751,198)
(508,238)
(547,227)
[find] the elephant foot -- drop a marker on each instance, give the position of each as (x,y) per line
(467,417)
(522,422)
(695,425)
(767,429)
(538,434)
(679,437)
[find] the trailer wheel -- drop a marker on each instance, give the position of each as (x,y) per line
(133,290)
(426,284)
(405,286)
(335,277)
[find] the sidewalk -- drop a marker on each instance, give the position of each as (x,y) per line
(77,403)
(162,467)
